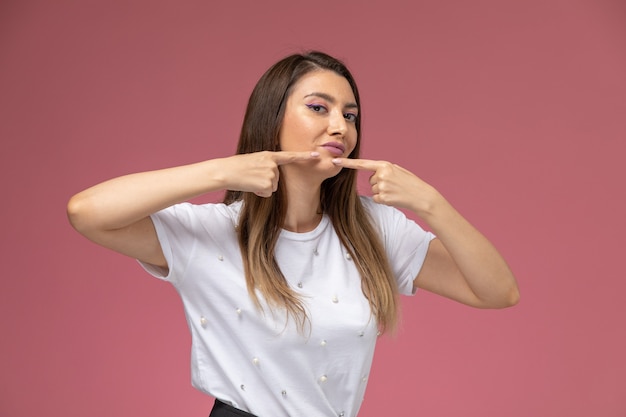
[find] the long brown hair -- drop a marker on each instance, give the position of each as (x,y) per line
(261,219)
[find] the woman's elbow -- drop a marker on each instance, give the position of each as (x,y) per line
(513,298)
(510,298)
(504,298)
(509,294)
(78,213)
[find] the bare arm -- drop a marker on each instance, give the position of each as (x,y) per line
(461,263)
(115,213)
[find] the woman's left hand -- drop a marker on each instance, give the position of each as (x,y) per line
(461,264)
(395,186)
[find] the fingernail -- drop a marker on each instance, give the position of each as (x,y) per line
(315,154)
(336,161)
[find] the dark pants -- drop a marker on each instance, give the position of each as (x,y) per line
(221,409)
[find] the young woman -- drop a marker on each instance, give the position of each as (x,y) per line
(287,283)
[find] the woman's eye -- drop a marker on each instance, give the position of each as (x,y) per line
(351,117)
(316,107)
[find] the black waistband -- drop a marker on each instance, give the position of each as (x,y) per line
(221,409)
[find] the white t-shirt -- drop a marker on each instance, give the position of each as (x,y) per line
(258,361)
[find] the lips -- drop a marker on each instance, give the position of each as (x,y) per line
(335,148)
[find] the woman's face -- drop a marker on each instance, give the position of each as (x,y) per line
(320,116)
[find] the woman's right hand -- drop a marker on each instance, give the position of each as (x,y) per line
(258,172)
(116,213)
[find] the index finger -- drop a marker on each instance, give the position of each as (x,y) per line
(366,164)
(287,157)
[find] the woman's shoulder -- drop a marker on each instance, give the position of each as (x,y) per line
(205,209)
(378,210)
(191,214)
(386,217)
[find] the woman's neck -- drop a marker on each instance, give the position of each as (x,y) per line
(303,206)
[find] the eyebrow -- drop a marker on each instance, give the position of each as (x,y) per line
(332,99)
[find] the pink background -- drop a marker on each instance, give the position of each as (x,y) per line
(515,110)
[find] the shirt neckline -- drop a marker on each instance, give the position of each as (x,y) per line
(304,236)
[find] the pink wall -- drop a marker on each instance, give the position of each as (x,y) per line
(515,110)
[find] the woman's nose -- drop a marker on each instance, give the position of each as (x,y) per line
(337,124)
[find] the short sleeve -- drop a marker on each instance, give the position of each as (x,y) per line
(175,227)
(405,242)
(188,233)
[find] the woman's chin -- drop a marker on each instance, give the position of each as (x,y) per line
(326,167)
(320,169)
